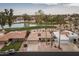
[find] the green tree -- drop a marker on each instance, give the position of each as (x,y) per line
(26,17)
(70,22)
(76,23)
(2,20)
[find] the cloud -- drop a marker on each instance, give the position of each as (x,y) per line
(73,4)
(63,4)
(51,3)
(48,8)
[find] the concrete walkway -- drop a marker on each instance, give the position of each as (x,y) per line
(22,48)
(36,46)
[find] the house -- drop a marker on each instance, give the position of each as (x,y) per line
(19,19)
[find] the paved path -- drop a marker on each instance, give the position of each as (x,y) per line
(43,47)
(22,48)
(1,45)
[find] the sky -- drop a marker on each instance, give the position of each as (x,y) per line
(47,8)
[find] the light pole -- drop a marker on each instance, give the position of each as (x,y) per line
(59,39)
(51,32)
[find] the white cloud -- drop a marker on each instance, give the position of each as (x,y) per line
(73,4)
(64,4)
(51,3)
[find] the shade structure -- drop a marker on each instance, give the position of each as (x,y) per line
(65,35)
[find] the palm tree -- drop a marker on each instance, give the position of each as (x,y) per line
(50,20)
(45,19)
(9,16)
(40,18)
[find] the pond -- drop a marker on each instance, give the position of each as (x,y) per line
(19,25)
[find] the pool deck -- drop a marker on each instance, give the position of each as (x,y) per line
(35,46)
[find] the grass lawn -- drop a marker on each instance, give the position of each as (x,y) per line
(15,46)
(47,23)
